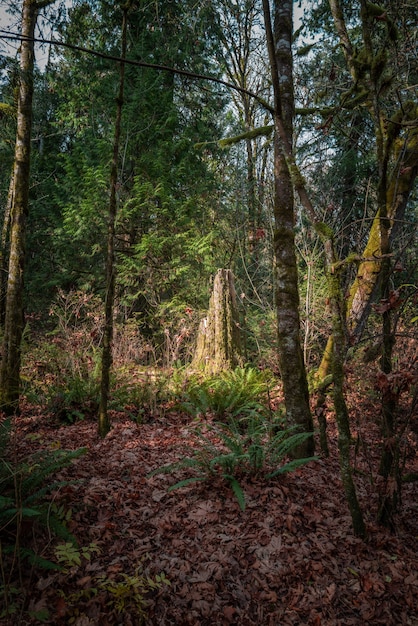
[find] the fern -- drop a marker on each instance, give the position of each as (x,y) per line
(237,490)
(186,482)
(290,466)
(23,499)
(24,487)
(256,449)
(232,394)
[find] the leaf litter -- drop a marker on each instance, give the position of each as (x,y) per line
(290,559)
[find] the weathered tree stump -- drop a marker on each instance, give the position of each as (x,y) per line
(218,345)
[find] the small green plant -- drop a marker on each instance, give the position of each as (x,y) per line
(74,399)
(226,450)
(69,555)
(127,594)
(24,506)
(240,392)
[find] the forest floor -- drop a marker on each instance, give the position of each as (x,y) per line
(289,559)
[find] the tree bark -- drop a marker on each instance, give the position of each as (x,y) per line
(219,339)
(396,197)
(4,248)
(14,317)
(341,411)
(292,367)
(104,422)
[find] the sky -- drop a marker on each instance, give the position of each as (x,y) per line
(11,23)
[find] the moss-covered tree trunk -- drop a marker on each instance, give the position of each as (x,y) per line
(104,422)
(396,147)
(395,199)
(292,367)
(19,196)
(396,142)
(341,411)
(219,341)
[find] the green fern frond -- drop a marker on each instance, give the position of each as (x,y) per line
(187,481)
(173,467)
(280,450)
(290,466)
(226,462)
(237,490)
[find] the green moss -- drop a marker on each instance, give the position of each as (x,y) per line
(379,64)
(350,103)
(324,231)
(6,110)
(250,134)
(374,10)
(297,178)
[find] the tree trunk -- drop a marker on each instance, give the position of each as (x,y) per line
(396,197)
(4,251)
(341,411)
(14,318)
(398,186)
(291,363)
(219,338)
(104,422)
(393,192)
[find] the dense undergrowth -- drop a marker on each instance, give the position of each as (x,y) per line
(227,445)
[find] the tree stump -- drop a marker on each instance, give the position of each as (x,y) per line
(218,345)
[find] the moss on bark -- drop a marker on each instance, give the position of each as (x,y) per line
(219,345)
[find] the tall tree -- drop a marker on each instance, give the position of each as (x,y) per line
(287,179)
(373,76)
(371,93)
(169,198)
(104,422)
(292,368)
(19,194)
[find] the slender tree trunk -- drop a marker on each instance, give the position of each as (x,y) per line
(104,422)
(396,197)
(392,195)
(334,286)
(291,363)
(4,251)
(398,187)
(341,411)
(13,324)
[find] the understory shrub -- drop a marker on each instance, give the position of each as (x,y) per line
(126,595)
(241,392)
(25,507)
(230,451)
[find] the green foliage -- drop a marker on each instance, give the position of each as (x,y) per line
(125,594)
(24,486)
(129,593)
(66,376)
(69,555)
(229,451)
(74,399)
(237,393)
(24,506)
